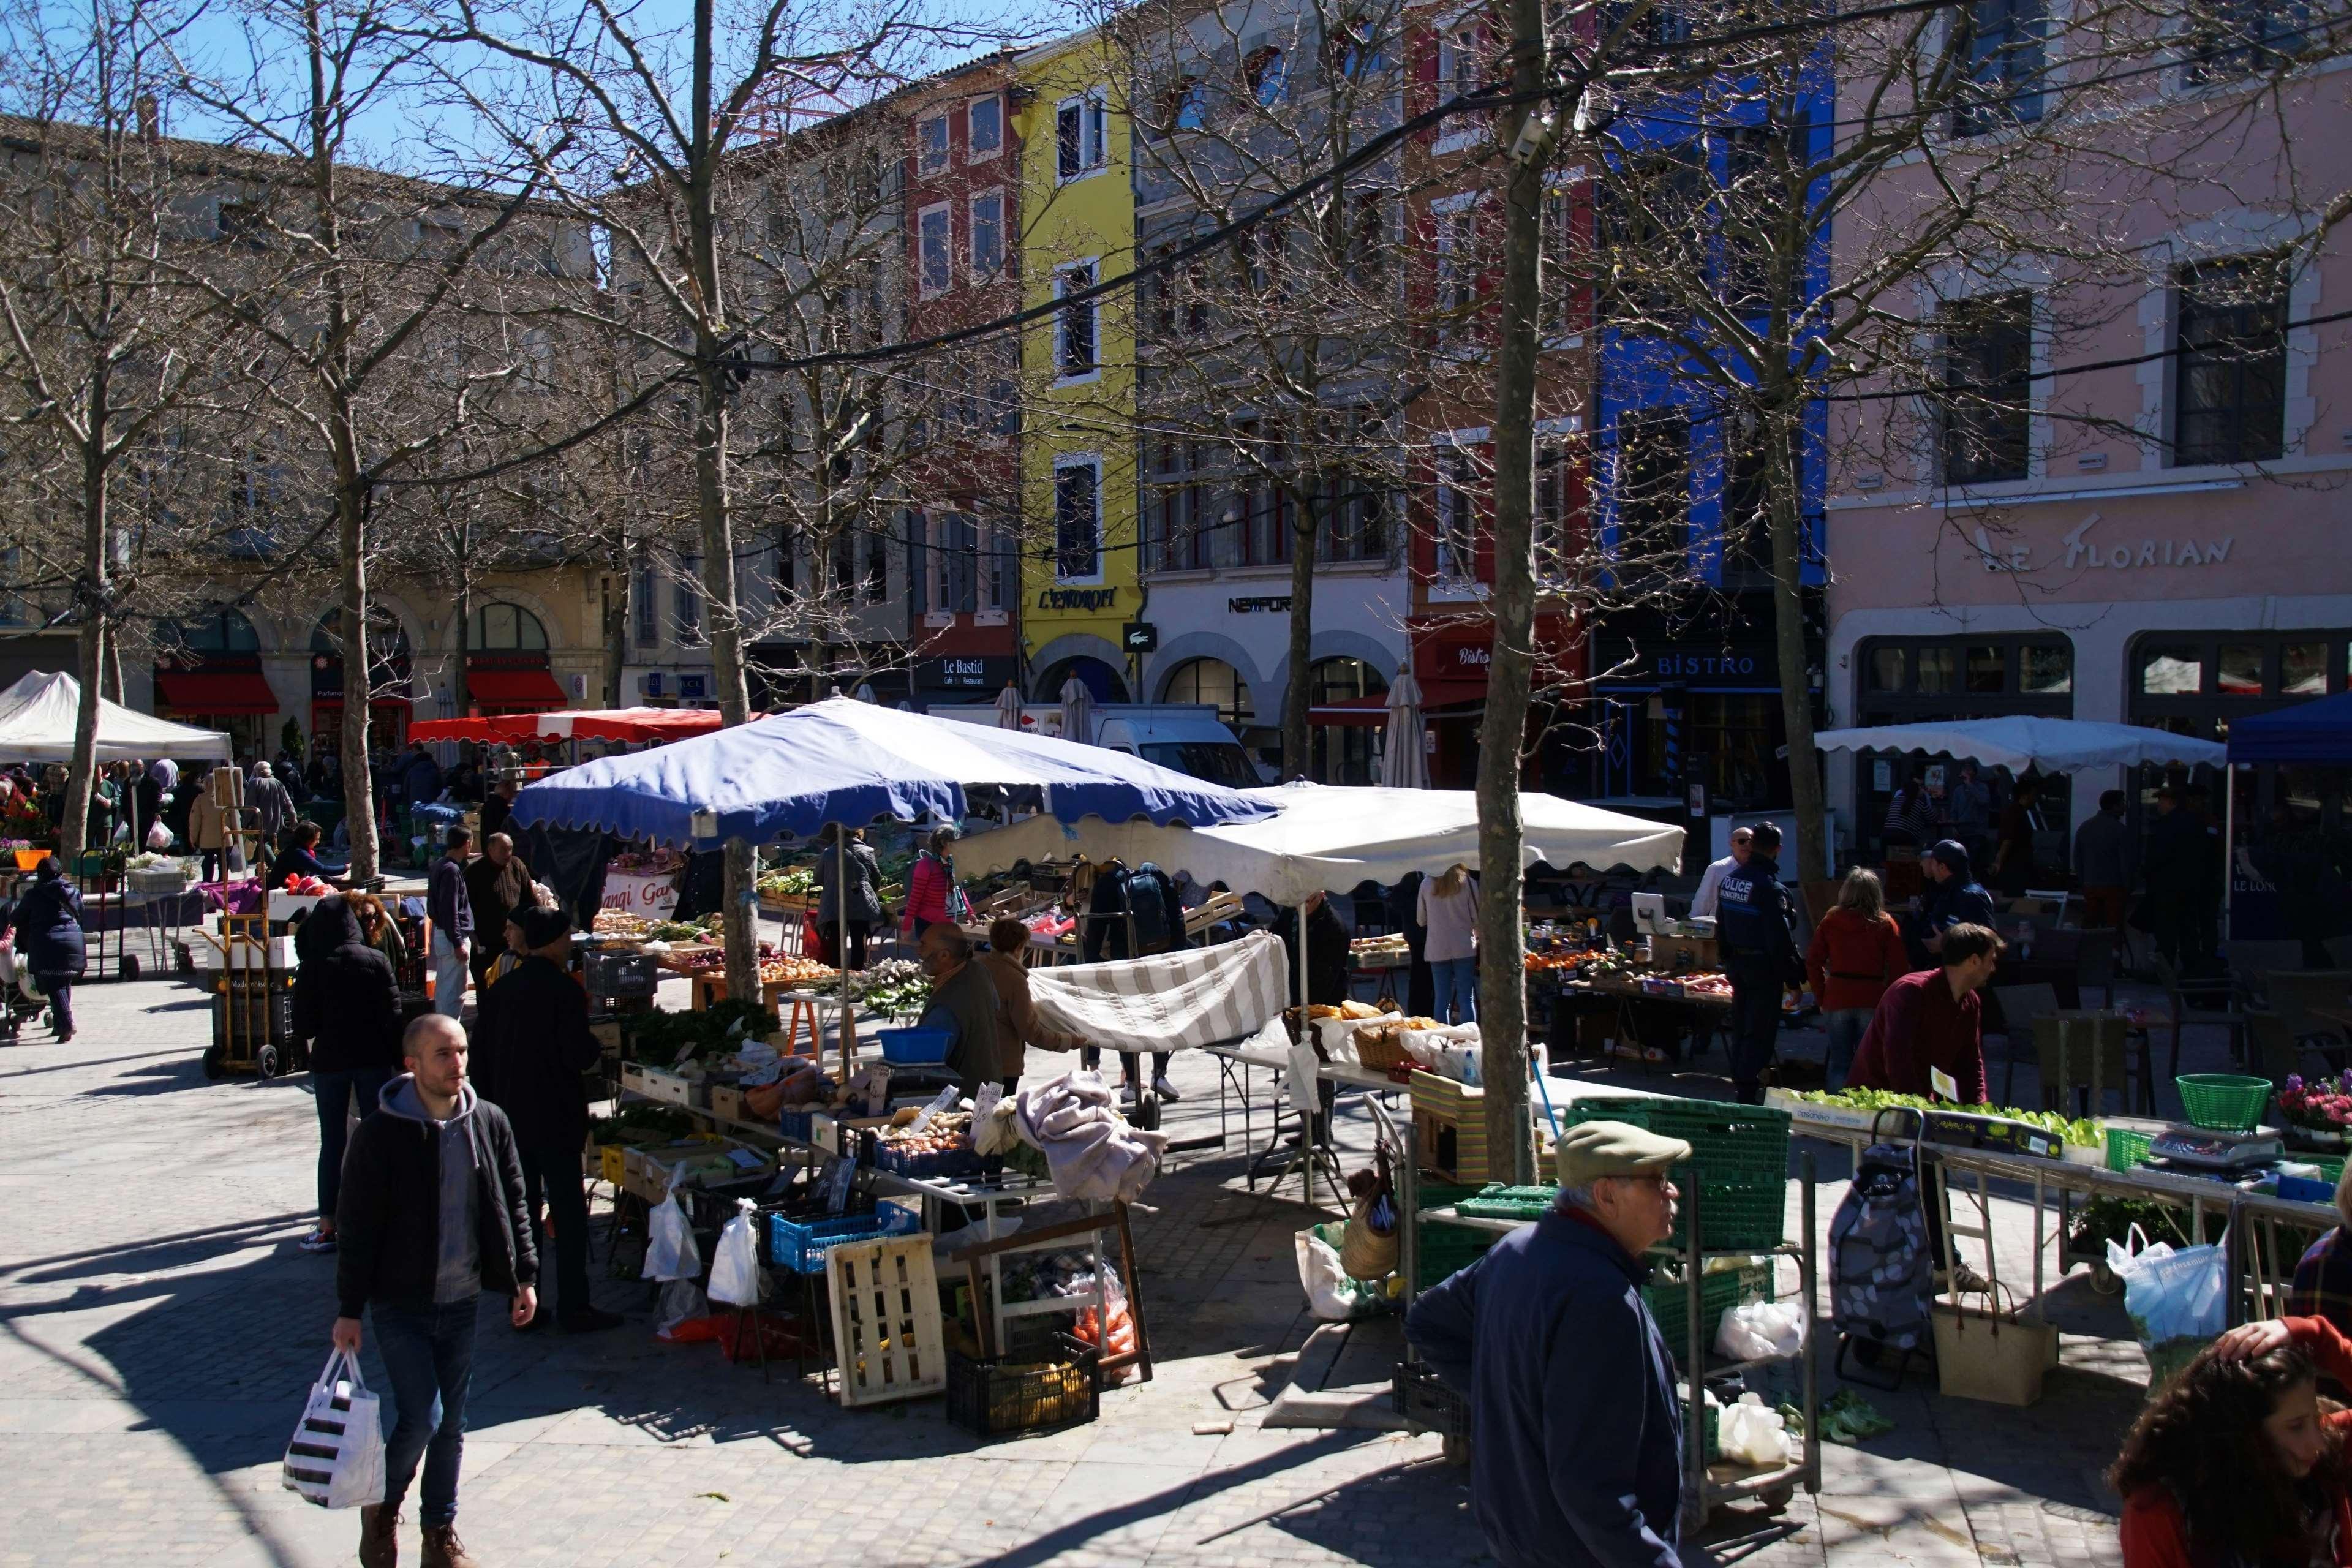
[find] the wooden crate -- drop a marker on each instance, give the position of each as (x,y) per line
(1449,1122)
(726,1101)
(671,1088)
(885,1319)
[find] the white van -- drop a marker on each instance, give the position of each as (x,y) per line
(1185,736)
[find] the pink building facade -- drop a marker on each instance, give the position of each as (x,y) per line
(2163,537)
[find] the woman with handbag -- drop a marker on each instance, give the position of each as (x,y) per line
(849,896)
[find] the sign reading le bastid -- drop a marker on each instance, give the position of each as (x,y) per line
(2082,551)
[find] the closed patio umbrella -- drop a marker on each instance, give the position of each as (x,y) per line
(1078,711)
(1008,707)
(1404,759)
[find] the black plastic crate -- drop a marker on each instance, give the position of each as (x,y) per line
(621,974)
(997,1396)
(1421,1397)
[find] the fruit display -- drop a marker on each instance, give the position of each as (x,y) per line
(2083,1134)
(1705,984)
(785,970)
(692,960)
(943,1147)
(620,923)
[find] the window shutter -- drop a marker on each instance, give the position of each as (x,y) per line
(967,563)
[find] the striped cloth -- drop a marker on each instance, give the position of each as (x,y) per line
(1183,1000)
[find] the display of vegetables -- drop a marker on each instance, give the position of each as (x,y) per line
(949,1130)
(701,929)
(664,1037)
(792,882)
(896,987)
(2082,1133)
(784,970)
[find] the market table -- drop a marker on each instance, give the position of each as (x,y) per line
(1247,1057)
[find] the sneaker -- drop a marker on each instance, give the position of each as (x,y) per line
(1164,1089)
(1127,1094)
(318,1241)
(593,1321)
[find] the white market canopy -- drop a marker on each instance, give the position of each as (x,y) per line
(1327,838)
(2053,745)
(37,725)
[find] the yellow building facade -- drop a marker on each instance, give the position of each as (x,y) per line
(1080,554)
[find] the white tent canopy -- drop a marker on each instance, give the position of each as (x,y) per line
(2053,745)
(37,725)
(1329,838)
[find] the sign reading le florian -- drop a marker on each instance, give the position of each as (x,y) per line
(2083,552)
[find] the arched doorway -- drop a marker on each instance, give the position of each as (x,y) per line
(507,663)
(1344,752)
(391,668)
(208,674)
(1219,684)
(1103,683)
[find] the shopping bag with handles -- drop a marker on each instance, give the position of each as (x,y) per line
(336,1458)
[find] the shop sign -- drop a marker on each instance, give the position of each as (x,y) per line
(690,687)
(1708,663)
(2149,552)
(1076,598)
(968,672)
(1143,636)
(1278,603)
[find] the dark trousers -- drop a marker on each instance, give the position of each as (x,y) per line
(555,1174)
(829,936)
(332,1092)
(428,1351)
(1755,1022)
(1090,1058)
(59,988)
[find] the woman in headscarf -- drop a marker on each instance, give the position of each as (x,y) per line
(49,939)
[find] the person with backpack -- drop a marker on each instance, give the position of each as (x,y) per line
(932,895)
(1133,912)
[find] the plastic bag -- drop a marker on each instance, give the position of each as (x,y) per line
(1332,1296)
(2172,1293)
(735,1275)
(671,1252)
(1759,1329)
(682,1316)
(1752,1433)
(336,1457)
(159,837)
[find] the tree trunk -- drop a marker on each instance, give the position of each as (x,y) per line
(358,783)
(82,778)
(1784,519)
(1296,738)
(1502,965)
(460,686)
(616,628)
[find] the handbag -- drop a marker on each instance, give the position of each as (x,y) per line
(336,1456)
(1368,1248)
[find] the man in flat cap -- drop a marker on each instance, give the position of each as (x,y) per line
(1576,1435)
(532,1044)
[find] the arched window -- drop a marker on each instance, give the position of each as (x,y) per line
(1343,753)
(219,630)
(1213,680)
(387,638)
(1103,683)
(506,629)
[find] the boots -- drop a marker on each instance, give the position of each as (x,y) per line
(379,1536)
(442,1549)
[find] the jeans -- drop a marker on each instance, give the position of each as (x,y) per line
(449,976)
(556,1172)
(1456,981)
(58,989)
(1846,1026)
(333,1091)
(428,1351)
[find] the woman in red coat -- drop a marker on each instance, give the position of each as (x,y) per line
(2235,1465)
(1857,951)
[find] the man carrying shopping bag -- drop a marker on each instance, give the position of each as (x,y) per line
(431,1215)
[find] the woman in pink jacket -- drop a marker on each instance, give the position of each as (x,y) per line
(931,894)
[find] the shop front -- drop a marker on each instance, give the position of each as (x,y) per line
(1685,720)
(499,683)
(390,677)
(1451,657)
(960,678)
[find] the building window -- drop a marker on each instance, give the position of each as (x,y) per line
(1342,754)
(507,629)
(1651,491)
(1266,74)
(2230,41)
(1745,524)
(1077,520)
(2229,377)
(1216,682)
(874,585)
(687,599)
(2194,683)
(987,235)
(1360,520)
(1460,64)
(1255,528)
(985,128)
(1554,507)
(935,229)
(1763,166)
(1174,501)
(1557,257)
(1457,271)
(1649,217)
(1075,323)
(1082,135)
(2002,43)
(999,573)
(1987,409)
(931,143)
(1457,517)
(1368,239)
(1353,50)
(646,606)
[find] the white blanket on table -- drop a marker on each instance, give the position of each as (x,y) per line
(1183,1000)
(1093,1154)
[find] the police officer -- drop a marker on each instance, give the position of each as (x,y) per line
(1757,925)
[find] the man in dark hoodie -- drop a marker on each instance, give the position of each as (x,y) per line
(347,1005)
(1953,898)
(532,1044)
(431,1216)
(1755,921)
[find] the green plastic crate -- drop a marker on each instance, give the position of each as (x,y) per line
(1739,1157)
(1441,1250)
(1718,1293)
(1496,1201)
(2125,1148)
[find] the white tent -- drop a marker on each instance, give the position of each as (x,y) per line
(2053,745)
(37,725)
(1329,838)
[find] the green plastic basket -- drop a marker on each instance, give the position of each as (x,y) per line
(2223,1101)
(1718,1293)
(1740,1158)
(2125,1148)
(1441,1250)
(1496,1201)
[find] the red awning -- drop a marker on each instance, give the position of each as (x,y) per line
(1351,712)
(214,691)
(574,724)
(513,691)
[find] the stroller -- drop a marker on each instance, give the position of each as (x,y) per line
(20,995)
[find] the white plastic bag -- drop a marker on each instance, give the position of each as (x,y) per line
(1751,1433)
(2179,1293)
(336,1458)
(670,1250)
(735,1275)
(1759,1329)
(680,1304)
(159,837)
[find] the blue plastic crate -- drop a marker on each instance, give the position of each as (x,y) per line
(800,1124)
(914,1048)
(801,1245)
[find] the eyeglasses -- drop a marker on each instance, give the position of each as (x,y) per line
(1742,838)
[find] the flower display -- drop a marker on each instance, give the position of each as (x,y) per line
(2323,1103)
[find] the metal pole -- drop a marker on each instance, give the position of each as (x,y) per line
(840,941)
(1812,1348)
(1694,1371)
(2228,844)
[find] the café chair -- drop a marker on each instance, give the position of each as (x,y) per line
(2094,964)
(2213,1000)
(2020,1005)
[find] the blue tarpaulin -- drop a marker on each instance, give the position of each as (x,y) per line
(2318,732)
(854,763)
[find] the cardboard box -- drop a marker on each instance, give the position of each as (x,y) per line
(608,1033)
(726,1101)
(670,1088)
(645,1173)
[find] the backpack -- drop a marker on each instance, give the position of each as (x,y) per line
(1882,1270)
(1143,891)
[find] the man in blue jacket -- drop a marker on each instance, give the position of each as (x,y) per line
(1755,924)
(1575,1434)
(1953,898)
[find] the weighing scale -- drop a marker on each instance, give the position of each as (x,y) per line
(2204,1148)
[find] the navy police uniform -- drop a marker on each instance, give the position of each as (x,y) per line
(1756,927)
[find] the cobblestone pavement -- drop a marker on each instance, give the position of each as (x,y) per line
(158,1327)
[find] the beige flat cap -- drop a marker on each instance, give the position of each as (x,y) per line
(1591,1150)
